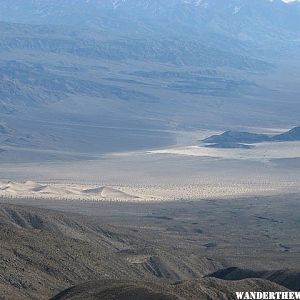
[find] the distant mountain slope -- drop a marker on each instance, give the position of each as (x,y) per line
(204,289)
(150,64)
(237,137)
(291,135)
(122,47)
(258,27)
(241,20)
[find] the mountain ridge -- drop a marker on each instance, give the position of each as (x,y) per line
(214,15)
(204,289)
(237,139)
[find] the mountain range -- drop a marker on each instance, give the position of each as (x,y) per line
(150,64)
(209,13)
(237,139)
(236,25)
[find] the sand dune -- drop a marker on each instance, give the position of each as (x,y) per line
(16,187)
(56,190)
(163,192)
(34,189)
(110,193)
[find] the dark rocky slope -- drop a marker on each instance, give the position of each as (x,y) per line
(204,289)
(287,278)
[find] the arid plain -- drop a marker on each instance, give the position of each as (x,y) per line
(188,170)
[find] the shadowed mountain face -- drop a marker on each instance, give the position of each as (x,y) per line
(289,279)
(237,137)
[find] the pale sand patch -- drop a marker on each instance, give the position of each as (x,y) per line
(110,193)
(144,192)
(262,151)
(62,191)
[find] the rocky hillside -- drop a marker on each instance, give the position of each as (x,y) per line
(44,252)
(204,289)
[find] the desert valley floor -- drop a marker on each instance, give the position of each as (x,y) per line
(170,221)
(187,170)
